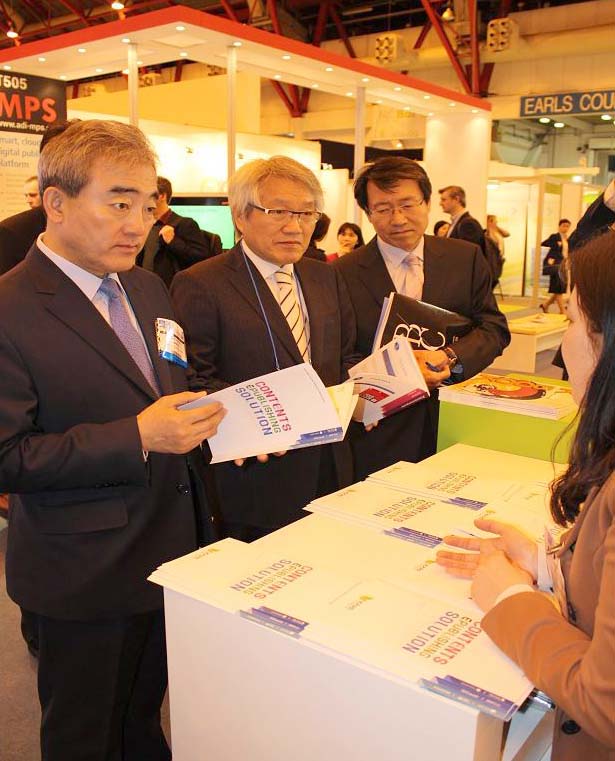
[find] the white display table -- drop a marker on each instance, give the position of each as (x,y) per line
(529,337)
(242,692)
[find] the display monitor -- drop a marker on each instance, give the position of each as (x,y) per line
(210,212)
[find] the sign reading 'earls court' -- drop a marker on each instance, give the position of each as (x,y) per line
(30,104)
(559,104)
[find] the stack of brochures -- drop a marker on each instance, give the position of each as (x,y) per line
(430,641)
(512,393)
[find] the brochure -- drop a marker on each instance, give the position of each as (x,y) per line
(387,381)
(287,409)
(426,326)
(509,393)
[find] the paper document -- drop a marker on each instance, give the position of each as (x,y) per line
(387,381)
(287,409)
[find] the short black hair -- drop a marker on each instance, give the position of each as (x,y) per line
(165,187)
(564,222)
(388,172)
(320,229)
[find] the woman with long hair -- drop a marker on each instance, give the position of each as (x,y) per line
(565,643)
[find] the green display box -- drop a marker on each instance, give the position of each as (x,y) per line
(506,431)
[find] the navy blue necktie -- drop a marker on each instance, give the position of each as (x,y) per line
(126,331)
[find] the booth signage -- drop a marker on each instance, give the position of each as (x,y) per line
(558,104)
(30,104)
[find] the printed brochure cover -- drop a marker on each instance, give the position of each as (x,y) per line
(287,409)
(509,393)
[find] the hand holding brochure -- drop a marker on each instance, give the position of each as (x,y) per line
(387,381)
(287,409)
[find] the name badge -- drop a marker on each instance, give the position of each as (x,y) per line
(171,341)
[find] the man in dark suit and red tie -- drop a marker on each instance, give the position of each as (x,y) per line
(99,461)
(395,194)
(263,306)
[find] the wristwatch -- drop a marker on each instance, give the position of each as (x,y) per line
(452,357)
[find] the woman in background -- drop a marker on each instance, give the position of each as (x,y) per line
(441,228)
(496,233)
(570,655)
(349,237)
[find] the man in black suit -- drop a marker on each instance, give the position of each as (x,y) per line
(463,225)
(395,194)
(97,458)
(263,306)
(18,233)
(174,242)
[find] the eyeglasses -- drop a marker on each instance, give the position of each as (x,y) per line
(404,208)
(285,215)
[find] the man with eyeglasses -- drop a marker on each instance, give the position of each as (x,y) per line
(263,306)
(395,194)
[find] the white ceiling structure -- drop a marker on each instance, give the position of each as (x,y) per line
(179,32)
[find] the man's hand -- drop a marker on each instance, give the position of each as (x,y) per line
(260,457)
(164,428)
(434,367)
(167,233)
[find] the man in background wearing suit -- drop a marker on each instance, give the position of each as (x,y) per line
(174,242)
(18,233)
(463,225)
(395,193)
(97,458)
(263,306)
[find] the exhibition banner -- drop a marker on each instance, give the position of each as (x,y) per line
(28,105)
(559,104)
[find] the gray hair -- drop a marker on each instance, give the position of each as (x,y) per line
(244,185)
(67,160)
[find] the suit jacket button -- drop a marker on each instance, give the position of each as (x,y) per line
(570,727)
(183,489)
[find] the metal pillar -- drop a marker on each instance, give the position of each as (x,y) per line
(133,85)
(359,141)
(231,126)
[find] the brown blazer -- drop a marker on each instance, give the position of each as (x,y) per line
(572,661)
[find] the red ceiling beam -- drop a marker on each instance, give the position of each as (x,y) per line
(77,11)
(422,35)
(341,30)
(474,49)
(292,110)
(229,10)
(446,43)
(485,79)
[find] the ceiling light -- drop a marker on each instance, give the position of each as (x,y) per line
(452,104)
(62,76)
(180,28)
(449,13)
(183,54)
(125,40)
(544,120)
(399,144)
(278,76)
(315,85)
(125,71)
(329,68)
(237,44)
(397,89)
(12,34)
(430,113)
(42,59)
(606,117)
(365,79)
(286,57)
(99,71)
(139,63)
(577,178)
(426,97)
(117,5)
(81,50)
(558,125)
(6,67)
(349,94)
(407,108)
(475,110)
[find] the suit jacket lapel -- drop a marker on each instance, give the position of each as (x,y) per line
(242,282)
(312,290)
(374,273)
(146,317)
(434,273)
(68,303)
